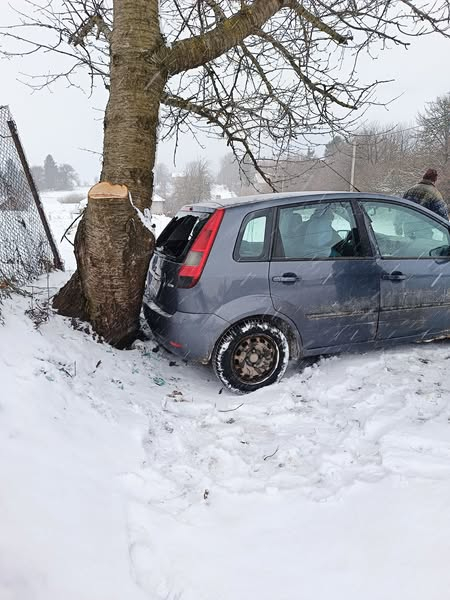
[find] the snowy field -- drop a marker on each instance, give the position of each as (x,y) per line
(128,475)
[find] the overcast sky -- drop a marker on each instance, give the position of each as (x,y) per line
(63,121)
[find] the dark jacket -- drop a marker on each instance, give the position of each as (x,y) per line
(426,194)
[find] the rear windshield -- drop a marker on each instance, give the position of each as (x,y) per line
(178,236)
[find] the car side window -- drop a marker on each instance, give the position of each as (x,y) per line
(402,232)
(252,239)
(317,231)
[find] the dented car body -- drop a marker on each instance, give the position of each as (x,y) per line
(328,272)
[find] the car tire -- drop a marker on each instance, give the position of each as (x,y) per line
(251,355)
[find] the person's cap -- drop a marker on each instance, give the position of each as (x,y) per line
(430,175)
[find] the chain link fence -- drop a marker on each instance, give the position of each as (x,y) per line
(27,248)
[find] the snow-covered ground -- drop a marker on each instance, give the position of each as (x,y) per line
(129,475)
(221,192)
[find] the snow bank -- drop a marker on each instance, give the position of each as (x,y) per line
(160,222)
(60,215)
(221,192)
(123,477)
(130,475)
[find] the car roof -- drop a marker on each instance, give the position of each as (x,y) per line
(280,198)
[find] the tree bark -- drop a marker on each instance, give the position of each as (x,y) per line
(137,83)
(112,246)
(112,250)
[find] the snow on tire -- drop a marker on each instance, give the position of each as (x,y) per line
(251,355)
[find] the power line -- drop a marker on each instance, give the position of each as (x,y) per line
(392,130)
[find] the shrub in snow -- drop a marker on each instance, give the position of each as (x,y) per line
(74,198)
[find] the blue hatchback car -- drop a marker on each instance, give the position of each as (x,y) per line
(250,283)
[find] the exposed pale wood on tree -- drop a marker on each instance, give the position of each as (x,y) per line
(112,250)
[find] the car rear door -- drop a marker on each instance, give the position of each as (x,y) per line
(171,249)
(322,275)
(414,277)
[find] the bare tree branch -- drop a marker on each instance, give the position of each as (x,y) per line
(315,21)
(220,120)
(263,74)
(95,21)
(198,50)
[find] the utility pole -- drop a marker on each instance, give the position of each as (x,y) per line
(352,176)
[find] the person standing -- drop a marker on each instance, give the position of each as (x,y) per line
(426,193)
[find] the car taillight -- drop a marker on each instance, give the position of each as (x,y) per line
(197,256)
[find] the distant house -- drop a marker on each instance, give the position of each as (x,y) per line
(158,205)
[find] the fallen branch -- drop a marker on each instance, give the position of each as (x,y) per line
(273,454)
(231,409)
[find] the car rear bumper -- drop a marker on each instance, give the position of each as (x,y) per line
(190,336)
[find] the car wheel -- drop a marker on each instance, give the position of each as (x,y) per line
(251,355)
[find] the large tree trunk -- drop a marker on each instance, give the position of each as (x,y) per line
(137,84)
(111,247)
(129,147)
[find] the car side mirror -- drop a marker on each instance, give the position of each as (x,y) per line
(440,251)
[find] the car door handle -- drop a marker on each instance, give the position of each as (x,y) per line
(286,278)
(394,276)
